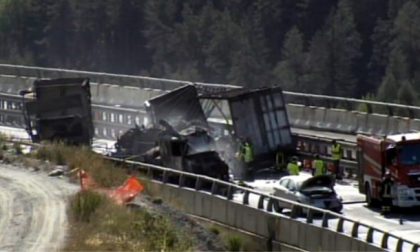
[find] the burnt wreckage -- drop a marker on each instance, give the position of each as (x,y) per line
(202,134)
(59,110)
(176,137)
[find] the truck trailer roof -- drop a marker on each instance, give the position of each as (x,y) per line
(406,136)
(396,138)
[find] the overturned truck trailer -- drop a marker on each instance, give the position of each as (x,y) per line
(59,110)
(257,115)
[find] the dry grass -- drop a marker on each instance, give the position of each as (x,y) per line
(104,172)
(98,224)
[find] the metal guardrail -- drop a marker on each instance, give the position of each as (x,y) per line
(162,174)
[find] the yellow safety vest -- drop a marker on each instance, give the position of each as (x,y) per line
(293,169)
(320,168)
(248,153)
(336,152)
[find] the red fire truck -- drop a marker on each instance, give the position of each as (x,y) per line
(398,154)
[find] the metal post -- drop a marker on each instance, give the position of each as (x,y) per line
(340,228)
(246,198)
(197,183)
(354,230)
(384,243)
(261,202)
(325,219)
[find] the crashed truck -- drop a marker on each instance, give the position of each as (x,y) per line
(176,136)
(201,134)
(256,115)
(59,110)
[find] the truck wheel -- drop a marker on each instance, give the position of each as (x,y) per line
(368,194)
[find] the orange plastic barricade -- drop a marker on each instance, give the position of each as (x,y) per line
(126,192)
(121,195)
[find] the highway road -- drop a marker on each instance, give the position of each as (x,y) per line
(403,223)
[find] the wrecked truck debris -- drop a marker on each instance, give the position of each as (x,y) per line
(177,136)
(59,110)
(257,116)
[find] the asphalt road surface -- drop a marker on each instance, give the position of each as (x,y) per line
(32,210)
(402,222)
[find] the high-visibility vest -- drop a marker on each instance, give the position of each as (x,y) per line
(320,168)
(336,152)
(248,153)
(293,169)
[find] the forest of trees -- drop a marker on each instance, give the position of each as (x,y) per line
(352,48)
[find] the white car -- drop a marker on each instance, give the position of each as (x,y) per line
(317,191)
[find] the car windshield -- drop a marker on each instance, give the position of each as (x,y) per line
(410,154)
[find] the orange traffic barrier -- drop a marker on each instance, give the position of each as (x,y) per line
(121,195)
(127,192)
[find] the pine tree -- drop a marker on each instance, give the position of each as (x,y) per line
(403,59)
(318,75)
(221,47)
(407,94)
(334,51)
(388,88)
(290,70)
(59,34)
(128,44)
(344,43)
(381,39)
(161,17)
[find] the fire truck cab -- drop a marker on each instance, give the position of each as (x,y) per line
(400,155)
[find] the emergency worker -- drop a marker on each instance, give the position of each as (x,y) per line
(337,154)
(293,167)
(319,166)
(246,154)
(386,193)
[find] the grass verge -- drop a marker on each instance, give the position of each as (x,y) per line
(104,172)
(99,224)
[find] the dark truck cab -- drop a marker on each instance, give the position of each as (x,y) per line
(59,110)
(176,137)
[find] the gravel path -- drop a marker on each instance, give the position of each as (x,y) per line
(32,210)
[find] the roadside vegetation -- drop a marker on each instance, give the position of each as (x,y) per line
(96,222)
(99,224)
(75,157)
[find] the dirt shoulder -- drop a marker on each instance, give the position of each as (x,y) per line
(33,210)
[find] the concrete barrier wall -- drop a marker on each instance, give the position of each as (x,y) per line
(102,93)
(138,91)
(281,233)
(349,122)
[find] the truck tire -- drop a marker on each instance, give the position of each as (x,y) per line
(370,202)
